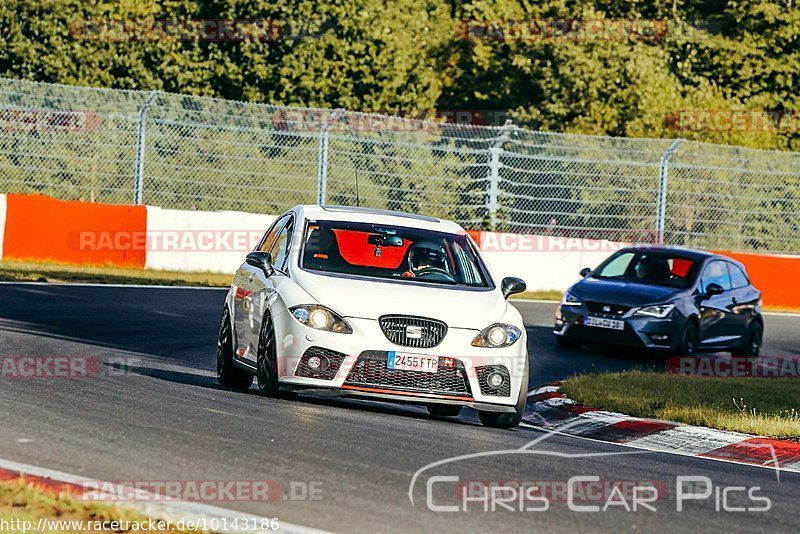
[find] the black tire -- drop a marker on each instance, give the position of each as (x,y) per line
(509,420)
(267,361)
(751,344)
(444,410)
(689,340)
(567,343)
(227,372)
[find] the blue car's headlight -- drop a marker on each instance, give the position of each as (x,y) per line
(320,318)
(570,300)
(497,335)
(658,312)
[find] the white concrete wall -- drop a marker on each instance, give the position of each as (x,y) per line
(544,262)
(2,222)
(201,241)
(181,240)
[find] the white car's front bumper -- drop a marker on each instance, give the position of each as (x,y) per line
(360,369)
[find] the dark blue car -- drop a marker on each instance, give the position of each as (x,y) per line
(664,298)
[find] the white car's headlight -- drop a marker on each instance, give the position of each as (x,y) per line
(497,335)
(656,311)
(320,318)
(570,300)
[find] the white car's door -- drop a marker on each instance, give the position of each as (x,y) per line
(251,291)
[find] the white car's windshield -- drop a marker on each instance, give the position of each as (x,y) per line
(392,252)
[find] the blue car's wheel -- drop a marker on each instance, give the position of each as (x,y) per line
(689,340)
(751,343)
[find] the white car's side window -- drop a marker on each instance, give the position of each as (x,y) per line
(271,235)
(471,274)
(280,250)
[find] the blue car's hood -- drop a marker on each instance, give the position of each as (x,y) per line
(624,293)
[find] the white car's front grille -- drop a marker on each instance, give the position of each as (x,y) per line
(413,331)
(370,370)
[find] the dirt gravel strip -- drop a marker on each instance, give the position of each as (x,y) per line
(550,410)
(154,507)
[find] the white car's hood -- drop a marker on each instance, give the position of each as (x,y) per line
(370,299)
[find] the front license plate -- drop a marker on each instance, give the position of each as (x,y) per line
(601,322)
(399,361)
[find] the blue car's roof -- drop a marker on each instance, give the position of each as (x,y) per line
(686,252)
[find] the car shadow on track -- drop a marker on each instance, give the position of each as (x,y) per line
(468,417)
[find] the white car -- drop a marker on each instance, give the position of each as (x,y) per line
(379,304)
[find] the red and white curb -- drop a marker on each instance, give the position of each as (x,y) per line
(56,482)
(549,409)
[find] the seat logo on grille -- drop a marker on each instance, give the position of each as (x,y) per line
(606,309)
(414,332)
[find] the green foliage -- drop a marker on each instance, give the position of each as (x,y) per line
(414,56)
(699,61)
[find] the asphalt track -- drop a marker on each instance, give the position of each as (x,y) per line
(165,418)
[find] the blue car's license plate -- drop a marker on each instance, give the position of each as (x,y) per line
(602,322)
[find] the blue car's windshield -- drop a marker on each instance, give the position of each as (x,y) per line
(650,267)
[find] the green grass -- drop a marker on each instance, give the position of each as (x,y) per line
(29,271)
(762,406)
(24,502)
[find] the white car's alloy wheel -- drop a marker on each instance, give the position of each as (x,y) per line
(227,372)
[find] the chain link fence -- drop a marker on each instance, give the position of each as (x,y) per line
(187,152)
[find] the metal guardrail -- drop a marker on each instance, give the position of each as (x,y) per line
(189,152)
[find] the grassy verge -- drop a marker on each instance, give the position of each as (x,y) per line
(28,271)
(21,503)
(763,406)
(539,295)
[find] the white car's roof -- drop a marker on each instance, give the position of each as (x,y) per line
(369,215)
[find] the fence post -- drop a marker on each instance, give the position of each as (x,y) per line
(661,207)
(322,163)
(494,172)
(138,184)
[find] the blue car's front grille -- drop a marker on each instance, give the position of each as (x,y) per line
(615,310)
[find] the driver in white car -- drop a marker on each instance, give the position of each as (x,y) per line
(425,255)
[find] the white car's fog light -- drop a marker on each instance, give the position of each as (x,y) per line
(495,380)
(317,363)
